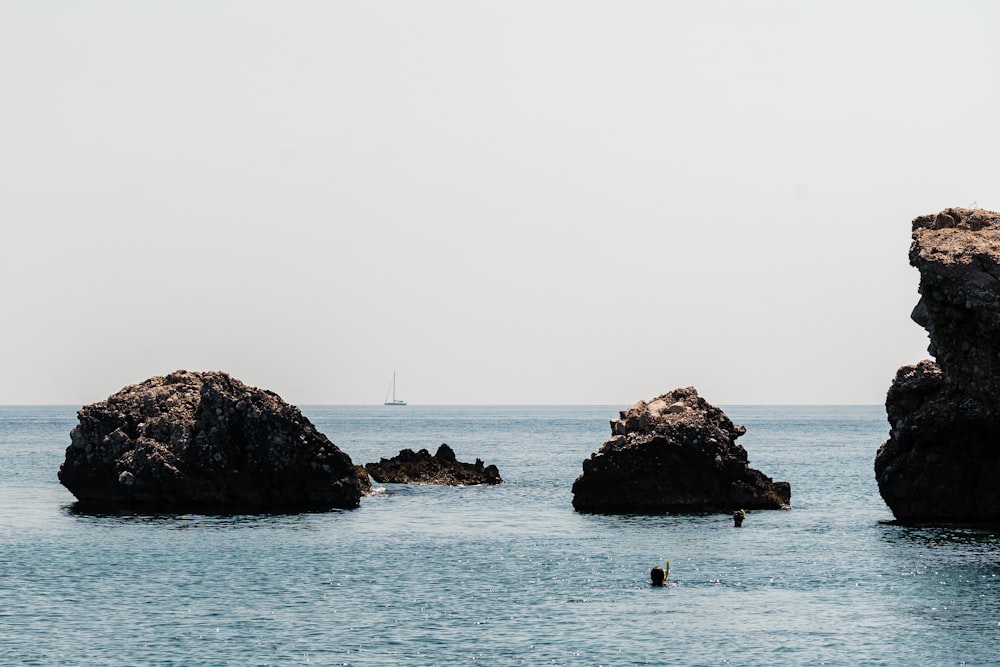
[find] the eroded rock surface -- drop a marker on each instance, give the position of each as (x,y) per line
(675,453)
(942,459)
(204,441)
(410,467)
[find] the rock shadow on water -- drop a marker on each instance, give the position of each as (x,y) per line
(940,533)
(200,519)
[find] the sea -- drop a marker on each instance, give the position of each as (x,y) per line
(502,575)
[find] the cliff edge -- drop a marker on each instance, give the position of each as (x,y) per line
(942,459)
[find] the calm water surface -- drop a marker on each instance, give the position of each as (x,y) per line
(501,575)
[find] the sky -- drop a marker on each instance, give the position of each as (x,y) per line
(506,202)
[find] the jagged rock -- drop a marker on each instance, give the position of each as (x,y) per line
(942,459)
(410,467)
(957,253)
(676,453)
(364,479)
(204,441)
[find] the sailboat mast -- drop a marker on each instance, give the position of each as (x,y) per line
(392,392)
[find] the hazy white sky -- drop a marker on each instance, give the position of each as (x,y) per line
(505,202)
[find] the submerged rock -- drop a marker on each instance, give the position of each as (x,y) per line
(204,441)
(676,453)
(942,459)
(410,467)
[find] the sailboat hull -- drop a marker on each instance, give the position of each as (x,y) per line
(392,391)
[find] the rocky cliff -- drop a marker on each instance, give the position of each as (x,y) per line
(192,441)
(942,459)
(674,453)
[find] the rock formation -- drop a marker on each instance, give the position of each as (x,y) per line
(204,441)
(411,467)
(942,459)
(676,453)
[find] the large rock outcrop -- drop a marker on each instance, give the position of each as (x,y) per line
(410,467)
(204,441)
(676,453)
(942,459)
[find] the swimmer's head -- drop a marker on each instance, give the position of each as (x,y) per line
(657,576)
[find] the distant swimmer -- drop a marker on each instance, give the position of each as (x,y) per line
(658,575)
(738,517)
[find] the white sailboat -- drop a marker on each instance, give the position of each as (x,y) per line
(392,390)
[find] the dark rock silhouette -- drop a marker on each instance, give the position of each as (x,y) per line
(364,479)
(676,453)
(204,441)
(410,467)
(942,459)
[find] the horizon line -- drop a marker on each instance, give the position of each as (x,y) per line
(478,405)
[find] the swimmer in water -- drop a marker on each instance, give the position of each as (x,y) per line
(657,576)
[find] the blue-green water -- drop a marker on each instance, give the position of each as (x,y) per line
(500,575)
